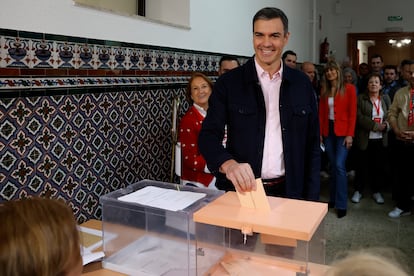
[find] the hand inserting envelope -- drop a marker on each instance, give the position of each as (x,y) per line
(255,199)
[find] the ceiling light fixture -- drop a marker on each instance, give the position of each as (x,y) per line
(399,43)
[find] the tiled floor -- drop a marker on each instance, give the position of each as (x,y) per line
(367,225)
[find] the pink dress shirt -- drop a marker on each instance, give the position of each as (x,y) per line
(273,165)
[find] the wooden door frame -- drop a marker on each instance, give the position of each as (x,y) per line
(352,39)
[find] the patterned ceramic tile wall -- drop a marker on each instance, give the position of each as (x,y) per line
(80,118)
(81,146)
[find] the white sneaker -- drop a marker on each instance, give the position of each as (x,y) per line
(356,198)
(397,212)
(324,174)
(378,198)
(351,174)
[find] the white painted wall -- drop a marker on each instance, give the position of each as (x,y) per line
(175,11)
(216,26)
(128,7)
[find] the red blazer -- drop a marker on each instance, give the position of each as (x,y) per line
(193,164)
(345,110)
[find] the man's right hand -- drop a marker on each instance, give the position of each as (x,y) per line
(240,174)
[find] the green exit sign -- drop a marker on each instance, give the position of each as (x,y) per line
(395,18)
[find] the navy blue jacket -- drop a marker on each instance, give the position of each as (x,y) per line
(237,101)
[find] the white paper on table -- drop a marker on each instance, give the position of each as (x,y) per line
(166,199)
(93,235)
(91,257)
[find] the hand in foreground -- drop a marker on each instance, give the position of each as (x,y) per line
(241,175)
(407,135)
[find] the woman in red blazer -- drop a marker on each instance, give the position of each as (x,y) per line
(193,168)
(337,117)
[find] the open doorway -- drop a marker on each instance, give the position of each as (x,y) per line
(362,45)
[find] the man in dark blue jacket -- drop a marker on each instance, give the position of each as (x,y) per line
(272,121)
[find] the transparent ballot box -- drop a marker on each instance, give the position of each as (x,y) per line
(148,229)
(287,239)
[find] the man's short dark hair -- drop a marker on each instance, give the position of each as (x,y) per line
(228,58)
(288,52)
(269,13)
(377,56)
(392,67)
(406,62)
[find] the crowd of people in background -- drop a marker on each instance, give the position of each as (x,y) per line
(383,133)
(372,127)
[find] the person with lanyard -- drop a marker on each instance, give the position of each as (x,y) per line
(271,116)
(401,118)
(371,139)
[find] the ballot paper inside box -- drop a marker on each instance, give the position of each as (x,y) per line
(154,229)
(285,239)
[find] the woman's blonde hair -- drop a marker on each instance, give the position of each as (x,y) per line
(326,85)
(38,237)
(377,262)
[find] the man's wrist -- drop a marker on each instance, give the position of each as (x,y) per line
(226,165)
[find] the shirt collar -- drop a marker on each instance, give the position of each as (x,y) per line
(200,109)
(261,73)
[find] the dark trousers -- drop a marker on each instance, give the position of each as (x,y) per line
(404,163)
(371,166)
(390,164)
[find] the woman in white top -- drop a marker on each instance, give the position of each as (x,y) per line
(371,138)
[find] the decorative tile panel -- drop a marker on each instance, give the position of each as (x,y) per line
(80,118)
(28,51)
(78,147)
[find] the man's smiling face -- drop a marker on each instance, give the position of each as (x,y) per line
(269,39)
